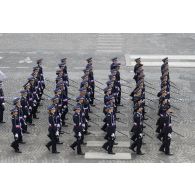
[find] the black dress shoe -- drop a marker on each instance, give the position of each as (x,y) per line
(132,149)
(81,153)
(87,133)
(161,150)
(31,124)
(72,147)
(84,143)
(93,105)
(145,119)
(66,119)
(111,153)
(47,147)
(64,125)
(170,154)
(120,105)
(27,132)
(36,117)
(2,122)
(118,112)
(89,125)
(22,142)
(56,152)
(18,151)
(140,153)
(115,143)
(60,142)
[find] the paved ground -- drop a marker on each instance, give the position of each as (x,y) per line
(18,53)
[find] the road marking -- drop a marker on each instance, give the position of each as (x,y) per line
(101,155)
(27,60)
(103,50)
(22,67)
(109,43)
(1,57)
(156,60)
(4,67)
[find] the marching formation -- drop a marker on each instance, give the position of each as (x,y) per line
(138,98)
(26,106)
(112,99)
(83,107)
(59,107)
(164,126)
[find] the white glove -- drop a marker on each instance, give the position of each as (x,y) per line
(83,125)
(58,125)
(24,116)
(112,135)
(57,133)
(79,134)
(169,135)
(16,135)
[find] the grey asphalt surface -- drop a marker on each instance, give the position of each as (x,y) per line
(18,54)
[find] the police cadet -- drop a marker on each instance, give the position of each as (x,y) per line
(91,80)
(114,63)
(29,99)
(24,106)
(137,129)
(110,129)
(17,104)
(2,103)
(166,133)
(78,130)
(16,129)
(53,130)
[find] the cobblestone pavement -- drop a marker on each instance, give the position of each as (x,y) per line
(18,53)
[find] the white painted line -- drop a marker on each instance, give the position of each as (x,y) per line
(1,57)
(14,52)
(31,52)
(98,155)
(4,67)
(22,67)
(108,38)
(109,47)
(171,64)
(110,44)
(111,51)
(100,144)
(160,57)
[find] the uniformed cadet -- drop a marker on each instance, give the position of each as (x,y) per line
(114,63)
(137,129)
(110,129)
(29,99)
(53,131)
(17,104)
(16,130)
(78,130)
(166,134)
(2,103)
